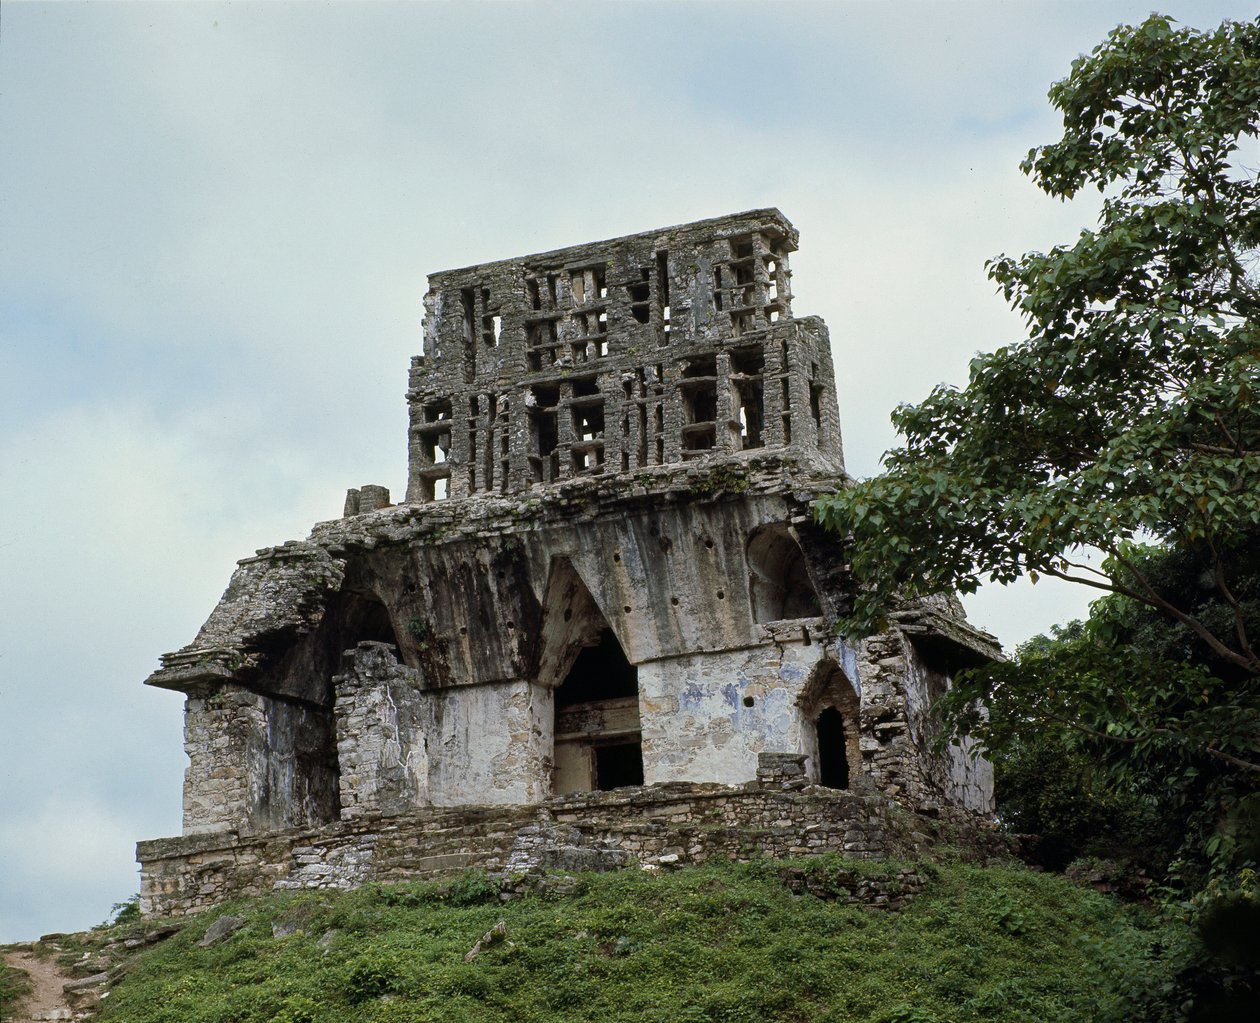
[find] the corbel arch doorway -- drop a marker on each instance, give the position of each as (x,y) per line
(830,717)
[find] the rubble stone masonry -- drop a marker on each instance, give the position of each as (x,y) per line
(603,606)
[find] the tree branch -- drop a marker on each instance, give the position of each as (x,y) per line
(1152,597)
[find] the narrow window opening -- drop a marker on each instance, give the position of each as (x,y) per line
(588,422)
(747,369)
(699,399)
(643,433)
(532,293)
(472,443)
(640,296)
(468,306)
(489,321)
(662,293)
(577,287)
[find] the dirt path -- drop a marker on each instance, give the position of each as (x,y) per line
(46,1000)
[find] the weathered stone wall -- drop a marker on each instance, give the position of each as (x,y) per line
(961,778)
(382,745)
(669,346)
(492,744)
(256,763)
(488,603)
(708,715)
(662,825)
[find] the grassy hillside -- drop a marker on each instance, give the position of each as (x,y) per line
(720,943)
(14,985)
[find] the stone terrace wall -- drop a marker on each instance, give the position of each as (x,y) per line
(681,823)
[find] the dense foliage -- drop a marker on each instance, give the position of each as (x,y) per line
(721,943)
(1130,411)
(1117,447)
(1126,730)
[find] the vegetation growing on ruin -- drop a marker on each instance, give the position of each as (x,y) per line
(14,985)
(726,942)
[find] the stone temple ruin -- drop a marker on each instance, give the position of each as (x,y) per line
(601,625)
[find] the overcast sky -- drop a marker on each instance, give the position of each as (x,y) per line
(215,226)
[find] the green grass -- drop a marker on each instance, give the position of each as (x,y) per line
(723,943)
(14,985)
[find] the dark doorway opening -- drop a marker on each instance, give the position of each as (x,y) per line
(833,763)
(618,766)
(598,744)
(601,672)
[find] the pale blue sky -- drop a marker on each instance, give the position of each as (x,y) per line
(215,224)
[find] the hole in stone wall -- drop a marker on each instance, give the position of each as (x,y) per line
(618,765)
(778,580)
(749,701)
(588,421)
(598,743)
(542,342)
(468,308)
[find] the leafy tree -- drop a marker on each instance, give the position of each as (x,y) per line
(1128,417)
